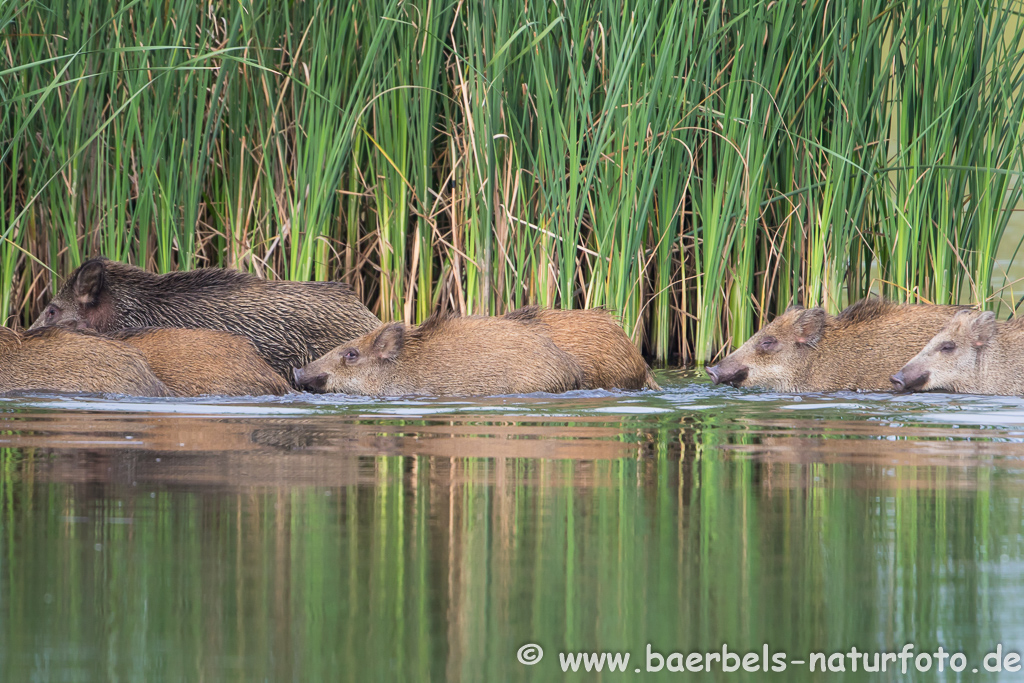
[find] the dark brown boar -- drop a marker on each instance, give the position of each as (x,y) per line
(204,362)
(450,356)
(61,360)
(594,338)
(289,323)
(808,350)
(972,354)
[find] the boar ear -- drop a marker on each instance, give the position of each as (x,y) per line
(809,326)
(794,307)
(89,283)
(390,341)
(983,328)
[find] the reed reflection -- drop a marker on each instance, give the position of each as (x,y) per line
(354,549)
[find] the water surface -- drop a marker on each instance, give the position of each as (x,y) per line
(332,538)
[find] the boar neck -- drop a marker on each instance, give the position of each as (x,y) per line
(8,338)
(864,354)
(999,364)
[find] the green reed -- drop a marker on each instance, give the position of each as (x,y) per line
(696,168)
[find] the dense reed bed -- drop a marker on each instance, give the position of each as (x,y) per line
(695,166)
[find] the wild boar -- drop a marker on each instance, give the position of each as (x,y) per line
(597,342)
(972,354)
(204,362)
(808,350)
(289,323)
(64,361)
(450,356)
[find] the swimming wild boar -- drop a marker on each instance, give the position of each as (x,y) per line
(289,323)
(808,350)
(204,362)
(61,360)
(448,356)
(594,338)
(972,354)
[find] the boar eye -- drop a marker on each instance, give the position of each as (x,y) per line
(769,344)
(350,354)
(948,347)
(51,311)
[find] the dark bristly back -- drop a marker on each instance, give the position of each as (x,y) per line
(289,323)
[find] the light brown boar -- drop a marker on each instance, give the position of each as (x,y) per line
(289,323)
(594,338)
(448,356)
(204,362)
(972,354)
(808,350)
(60,360)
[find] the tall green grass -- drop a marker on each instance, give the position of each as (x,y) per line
(695,167)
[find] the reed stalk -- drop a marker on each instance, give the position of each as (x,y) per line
(695,168)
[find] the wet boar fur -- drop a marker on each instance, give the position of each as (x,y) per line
(204,362)
(808,350)
(60,360)
(594,338)
(972,354)
(445,356)
(289,323)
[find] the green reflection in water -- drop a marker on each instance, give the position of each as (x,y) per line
(429,568)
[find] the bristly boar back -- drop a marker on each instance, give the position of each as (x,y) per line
(65,361)
(289,323)
(598,343)
(200,362)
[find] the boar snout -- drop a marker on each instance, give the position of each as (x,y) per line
(909,379)
(897,381)
(722,374)
(310,382)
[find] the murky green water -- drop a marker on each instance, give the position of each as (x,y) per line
(419,540)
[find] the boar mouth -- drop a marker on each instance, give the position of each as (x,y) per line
(719,375)
(315,384)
